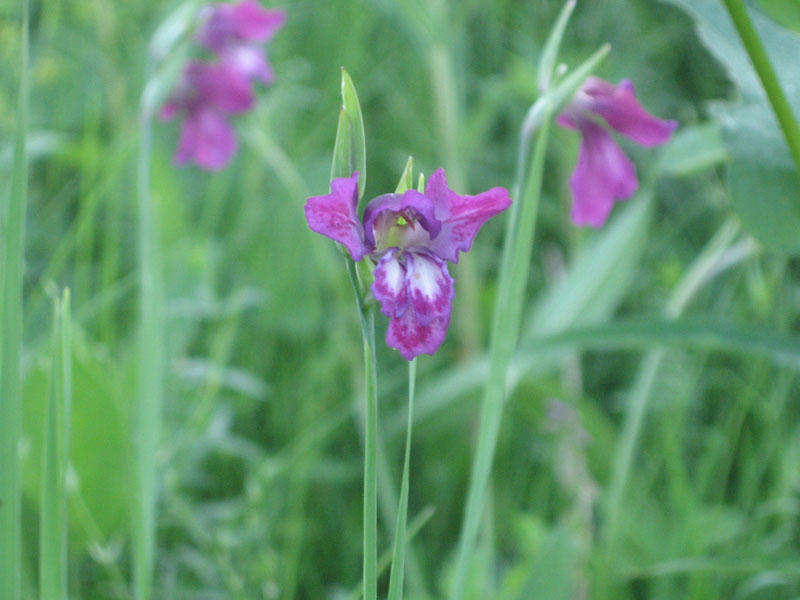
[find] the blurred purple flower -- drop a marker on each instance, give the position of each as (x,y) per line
(410,237)
(604,173)
(210,92)
(206,95)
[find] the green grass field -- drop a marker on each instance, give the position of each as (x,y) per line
(650,442)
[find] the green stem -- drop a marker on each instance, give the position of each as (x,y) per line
(399,557)
(769,79)
(150,376)
(367,316)
(505,331)
(12,247)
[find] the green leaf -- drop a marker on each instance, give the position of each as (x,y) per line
(763,182)
(783,12)
(358,146)
(407,178)
(53,529)
(694,148)
(341,164)
(551,46)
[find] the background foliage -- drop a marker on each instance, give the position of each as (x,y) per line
(261,457)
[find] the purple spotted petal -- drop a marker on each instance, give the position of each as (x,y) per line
(412,338)
(461,216)
(621,110)
(250,62)
(603,174)
(389,287)
(335,215)
(245,21)
(430,287)
(382,213)
(207,139)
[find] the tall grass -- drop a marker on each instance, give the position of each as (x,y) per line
(12,255)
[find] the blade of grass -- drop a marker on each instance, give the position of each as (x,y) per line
(505,331)
(53,530)
(11,274)
(399,553)
(151,369)
(550,50)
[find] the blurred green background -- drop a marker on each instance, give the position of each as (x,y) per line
(261,457)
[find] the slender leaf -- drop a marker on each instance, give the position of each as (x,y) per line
(550,51)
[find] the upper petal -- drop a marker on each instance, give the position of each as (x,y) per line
(389,287)
(206,139)
(335,215)
(461,216)
(381,215)
(603,174)
(621,110)
(250,62)
(430,287)
(412,338)
(254,23)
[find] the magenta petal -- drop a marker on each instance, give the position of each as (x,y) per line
(621,110)
(254,23)
(206,139)
(389,287)
(381,214)
(461,216)
(335,215)
(250,62)
(603,174)
(221,85)
(430,287)
(412,338)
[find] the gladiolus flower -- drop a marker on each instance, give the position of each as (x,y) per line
(410,237)
(604,173)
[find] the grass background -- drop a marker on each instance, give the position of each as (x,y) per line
(260,459)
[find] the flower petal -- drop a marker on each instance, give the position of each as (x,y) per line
(221,84)
(381,215)
(335,215)
(256,24)
(461,216)
(621,110)
(412,338)
(250,62)
(430,287)
(206,139)
(389,287)
(603,175)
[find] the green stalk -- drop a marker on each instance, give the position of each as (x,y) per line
(367,316)
(505,331)
(399,554)
(53,530)
(758,56)
(150,375)
(12,244)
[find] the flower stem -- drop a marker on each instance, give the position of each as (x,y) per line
(399,556)
(505,332)
(367,316)
(758,56)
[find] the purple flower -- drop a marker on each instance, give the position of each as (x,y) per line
(410,237)
(234,32)
(206,95)
(604,174)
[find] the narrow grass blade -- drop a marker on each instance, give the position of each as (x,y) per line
(399,553)
(151,370)
(53,528)
(505,333)
(407,178)
(12,243)
(551,46)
